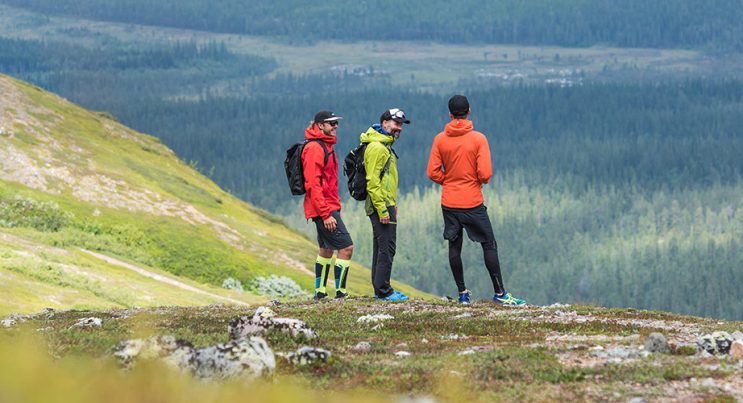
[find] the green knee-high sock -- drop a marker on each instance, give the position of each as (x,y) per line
(341,274)
(322,267)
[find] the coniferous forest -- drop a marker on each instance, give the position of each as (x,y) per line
(620,192)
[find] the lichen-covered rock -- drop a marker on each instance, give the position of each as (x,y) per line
(308,355)
(717,343)
(88,323)
(259,324)
(657,343)
(8,322)
(249,357)
(177,353)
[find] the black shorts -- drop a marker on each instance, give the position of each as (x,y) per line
(336,240)
(475,220)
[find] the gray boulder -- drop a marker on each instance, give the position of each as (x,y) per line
(657,343)
(250,357)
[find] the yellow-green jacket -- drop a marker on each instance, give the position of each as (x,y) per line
(382,193)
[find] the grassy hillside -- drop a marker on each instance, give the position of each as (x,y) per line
(74,181)
(479,353)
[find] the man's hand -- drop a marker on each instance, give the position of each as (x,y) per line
(330,223)
(384,220)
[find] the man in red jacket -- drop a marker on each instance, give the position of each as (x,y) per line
(460,162)
(322,203)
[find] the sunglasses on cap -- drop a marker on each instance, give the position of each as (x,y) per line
(333,123)
(397,113)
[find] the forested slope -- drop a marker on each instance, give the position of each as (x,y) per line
(711,24)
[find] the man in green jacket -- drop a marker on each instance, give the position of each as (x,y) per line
(380,163)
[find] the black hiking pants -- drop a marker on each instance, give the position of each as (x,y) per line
(477,224)
(385,243)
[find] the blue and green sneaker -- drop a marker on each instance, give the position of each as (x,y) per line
(508,300)
(464,297)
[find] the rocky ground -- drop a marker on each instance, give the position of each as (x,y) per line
(420,350)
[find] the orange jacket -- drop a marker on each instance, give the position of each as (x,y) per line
(460,161)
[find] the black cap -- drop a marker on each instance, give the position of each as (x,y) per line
(459,105)
(396,114)
(326,116)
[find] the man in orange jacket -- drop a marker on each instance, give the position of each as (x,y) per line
(323,205)
(460,162)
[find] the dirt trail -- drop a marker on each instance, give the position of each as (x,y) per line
(160,278)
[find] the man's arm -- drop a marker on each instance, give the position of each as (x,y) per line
(434,170)
(484,164)
(312,163)
(375,158)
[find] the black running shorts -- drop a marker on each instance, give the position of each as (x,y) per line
(475,220)
(336,240)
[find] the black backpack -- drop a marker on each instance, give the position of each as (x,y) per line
(353,168)
(293,166)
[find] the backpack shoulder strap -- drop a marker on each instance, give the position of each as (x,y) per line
(324,149)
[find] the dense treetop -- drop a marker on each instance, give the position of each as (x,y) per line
(711,24)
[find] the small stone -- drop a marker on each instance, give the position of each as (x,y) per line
(8,322)
(402,354)
(86,323)
(363,346)
(401,345)
(737,335)
(736,350)
(657,343)
(308,355)
(637,400)
(467,352)
(462,315)
(378,326)
(424,341)
(273,302)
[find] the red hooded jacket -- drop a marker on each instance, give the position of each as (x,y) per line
(460,162)
(322,194)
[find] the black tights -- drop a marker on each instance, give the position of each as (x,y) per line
(490,254)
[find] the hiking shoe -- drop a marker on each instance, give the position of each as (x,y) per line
(464,298)
(508,300)
(319,295)
(396,296)
(339,294)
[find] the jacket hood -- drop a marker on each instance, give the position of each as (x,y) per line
(376,133)
(458,127)
(314,132)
